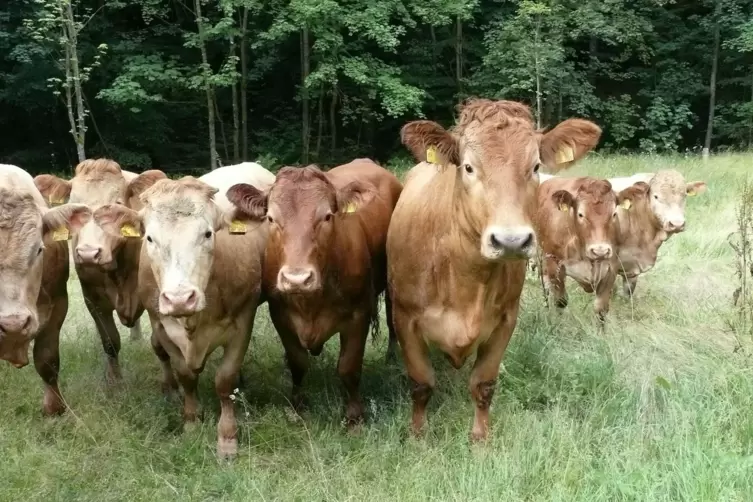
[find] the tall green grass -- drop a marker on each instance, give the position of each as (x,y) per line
(658,407)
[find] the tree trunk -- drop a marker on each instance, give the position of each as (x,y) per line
(236,118)
(750,121)
(433,34)
(244,84)
(73,76)
(218,115)
(320,125)
(459,54)
(538,72)
(332,120)
(305,68)
(712,84)
(207,88)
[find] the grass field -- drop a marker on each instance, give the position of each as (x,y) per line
(659,407)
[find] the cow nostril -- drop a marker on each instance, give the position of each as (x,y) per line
(496,243)
(26,323)
(528,241)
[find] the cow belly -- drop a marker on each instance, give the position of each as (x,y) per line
(457,333)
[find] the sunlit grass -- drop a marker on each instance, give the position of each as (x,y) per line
(659,407)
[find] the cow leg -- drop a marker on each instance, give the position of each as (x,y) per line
(392,343)
(298,362)
(167,382)
(628,286)
(349,366)
(603,296)
(225,381)
(554,275)
(189,382)
(108,334)
(47,358)
(486,371)
(418,366)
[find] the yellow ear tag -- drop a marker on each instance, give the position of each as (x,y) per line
(129,231)
(691,192)
(565,154)
(625,204)
(431,155)
(564,208)
(56,202)
(350,208)
(61,234)
(237,227)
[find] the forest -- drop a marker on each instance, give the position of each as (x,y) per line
(189,85)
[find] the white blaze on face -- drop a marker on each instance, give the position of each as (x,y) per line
(180,237)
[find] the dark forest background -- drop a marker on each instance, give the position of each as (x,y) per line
(188,85)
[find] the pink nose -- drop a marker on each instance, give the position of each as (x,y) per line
(178,302)
(16,323)
(89,254)
(296,278)
(676,226)
(599,251)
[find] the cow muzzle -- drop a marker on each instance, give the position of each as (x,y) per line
(87,254)
(297,279)
(674,226)
(599,251)
(180,302)
(501,243)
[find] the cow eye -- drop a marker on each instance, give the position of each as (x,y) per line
(580,215)
(208,234)
(149,238)
(656,197)
(468,168)
(270,219)
(328,217)
(536,168)
(39,251)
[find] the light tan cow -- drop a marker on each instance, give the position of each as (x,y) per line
(200,284)
(656,212)
(34,270)
(107,265)
(460,236)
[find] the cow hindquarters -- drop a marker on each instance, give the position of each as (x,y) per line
(486,370)
(392,342)
(47,357)
(349,366)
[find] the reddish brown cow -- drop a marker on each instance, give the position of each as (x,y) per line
(577,226)
(324,264)
(107,265)
(460,237)
(34,269)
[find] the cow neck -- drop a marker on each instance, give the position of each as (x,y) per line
(654,234)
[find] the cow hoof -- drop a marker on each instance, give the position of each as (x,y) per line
(52,404)
(479,436)
(561,303)
(300,403)
(227,448)
(113,375)
(190,426)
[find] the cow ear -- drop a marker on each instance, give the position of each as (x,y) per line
(353,196)
(55,190)
(563,199)
(61,222)
(249,201)
(627,197)
(430,142)
(695,188)
(119,221)
(569,142)
(139,184)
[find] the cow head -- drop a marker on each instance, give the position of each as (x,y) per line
(97,182)
(667,194)
(304,210)
(25,228)
(497,154)
(591,216)
(179,221)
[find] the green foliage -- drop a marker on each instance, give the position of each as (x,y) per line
(639,68)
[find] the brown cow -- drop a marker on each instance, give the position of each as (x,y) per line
(324,266)
(656,212)
(107,265)
(199,284)
(34,269)
(460,237)
(577,225)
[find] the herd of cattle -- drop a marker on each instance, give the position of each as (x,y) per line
(448,248)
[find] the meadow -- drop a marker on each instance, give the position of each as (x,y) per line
(657,407)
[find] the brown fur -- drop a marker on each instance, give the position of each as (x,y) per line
(346,252)
(446,287)
(590,218)
(110,285)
